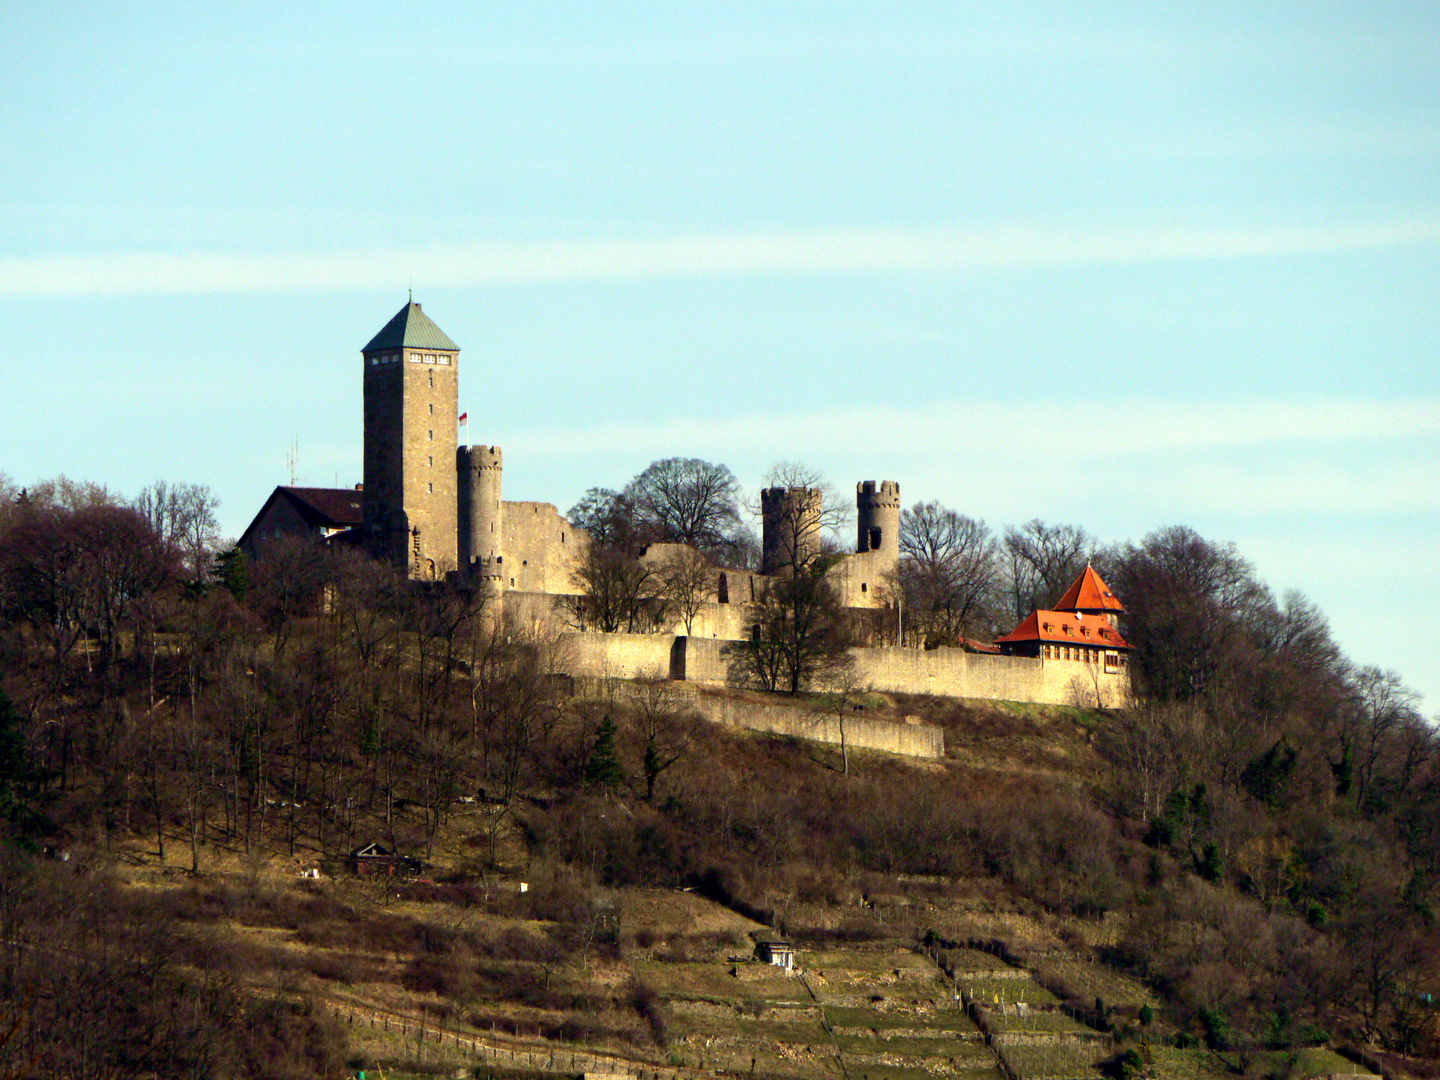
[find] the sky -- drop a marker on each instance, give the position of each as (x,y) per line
(1120,266)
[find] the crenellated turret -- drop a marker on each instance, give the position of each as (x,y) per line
(480,511)
(790,527)
(877,517)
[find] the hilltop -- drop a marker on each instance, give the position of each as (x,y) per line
(1234,875)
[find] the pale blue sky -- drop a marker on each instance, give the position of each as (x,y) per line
(1122,266)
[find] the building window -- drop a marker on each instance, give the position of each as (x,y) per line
(432,380)
(430,434)
(415,358)
(445,361)
(431,487)
(432,408)
(431,461)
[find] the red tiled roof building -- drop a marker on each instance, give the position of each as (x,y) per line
(1081,629)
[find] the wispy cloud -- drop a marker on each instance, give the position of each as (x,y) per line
(1133,461)
(1078,430)
(825,251)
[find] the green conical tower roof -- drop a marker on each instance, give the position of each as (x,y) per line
(411,328)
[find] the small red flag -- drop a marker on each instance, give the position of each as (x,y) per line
(464,416)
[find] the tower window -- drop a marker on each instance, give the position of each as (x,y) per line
(432,408)
(431,461)
(430,434)
(431,487)
(432,380)
(414,357)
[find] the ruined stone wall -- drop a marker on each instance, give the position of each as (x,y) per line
(540,548)
(728,594)
(865,579)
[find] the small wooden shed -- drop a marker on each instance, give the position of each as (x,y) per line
(375,858)
(777,952)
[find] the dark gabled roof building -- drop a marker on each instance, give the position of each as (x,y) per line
(330,515)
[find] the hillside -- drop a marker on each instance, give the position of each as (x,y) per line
(1236,876)
(961,917)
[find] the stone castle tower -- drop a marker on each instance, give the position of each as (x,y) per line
(411,397)
(790,528)
(877,517)
(481,513)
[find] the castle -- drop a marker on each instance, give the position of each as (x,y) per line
(440,517)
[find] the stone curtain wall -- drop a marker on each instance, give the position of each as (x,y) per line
(956,673)
(912,740)
(619,656)
(861,732)
(942,672)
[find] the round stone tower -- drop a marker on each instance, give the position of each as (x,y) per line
(481,513)
(790,528)
(877,517)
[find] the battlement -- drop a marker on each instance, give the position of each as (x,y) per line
(784,498)
(481,457)
(877,493)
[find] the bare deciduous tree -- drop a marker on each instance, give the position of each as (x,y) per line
(184,516)
(687,582)
(948,575)
(800,633)
(620,592)
(1041,561)
(667,728)
(687,501)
